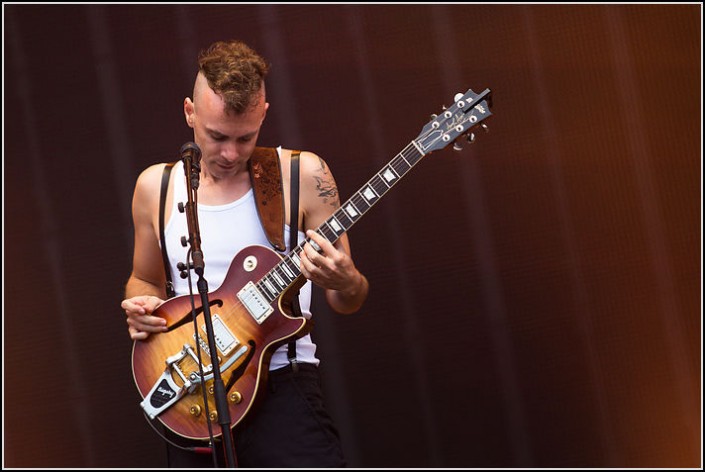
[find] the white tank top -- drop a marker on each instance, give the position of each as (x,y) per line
(225,231)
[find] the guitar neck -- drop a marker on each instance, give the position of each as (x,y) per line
(284,274)
(468,111)
(369,194)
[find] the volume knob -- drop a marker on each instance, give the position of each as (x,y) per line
(235,397)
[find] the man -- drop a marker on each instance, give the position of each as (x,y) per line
(290,428)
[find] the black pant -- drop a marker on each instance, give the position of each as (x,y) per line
(290,428)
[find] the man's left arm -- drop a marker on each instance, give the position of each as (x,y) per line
(331,268)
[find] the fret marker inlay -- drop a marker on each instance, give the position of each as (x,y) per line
(350,210)
(389,175)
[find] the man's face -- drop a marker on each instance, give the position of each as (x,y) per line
(227,140)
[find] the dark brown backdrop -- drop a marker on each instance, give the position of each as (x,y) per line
(535,300)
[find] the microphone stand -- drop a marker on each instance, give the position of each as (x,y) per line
(191,155)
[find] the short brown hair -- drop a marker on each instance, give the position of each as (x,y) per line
(234,71)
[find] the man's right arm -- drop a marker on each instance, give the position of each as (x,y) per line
(145,288)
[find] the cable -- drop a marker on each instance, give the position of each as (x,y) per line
(196,449)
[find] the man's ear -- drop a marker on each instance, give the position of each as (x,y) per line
(266,107)
(189,112)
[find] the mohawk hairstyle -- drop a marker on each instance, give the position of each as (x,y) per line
(235,72)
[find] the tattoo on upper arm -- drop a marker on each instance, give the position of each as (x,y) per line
(325,185)
(327,191)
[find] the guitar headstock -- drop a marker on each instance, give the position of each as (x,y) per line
(468,111)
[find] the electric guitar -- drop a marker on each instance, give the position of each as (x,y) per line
(249,311)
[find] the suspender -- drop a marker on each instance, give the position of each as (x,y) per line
(170,293)
(293,242)
(265,175)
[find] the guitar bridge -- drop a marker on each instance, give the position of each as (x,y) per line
(165,391)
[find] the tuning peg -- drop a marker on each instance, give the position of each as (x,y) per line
(485,127)
(471,138)
(457,145)
(457,97)
(433,116)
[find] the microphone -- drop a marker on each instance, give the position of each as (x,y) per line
(191,151)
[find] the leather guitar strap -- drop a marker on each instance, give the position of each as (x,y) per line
(266,178)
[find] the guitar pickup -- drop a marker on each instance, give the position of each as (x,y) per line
(256,304)
(224,339)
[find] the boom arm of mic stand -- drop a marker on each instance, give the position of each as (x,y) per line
(221,403)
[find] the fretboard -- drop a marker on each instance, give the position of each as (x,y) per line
(286,272)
